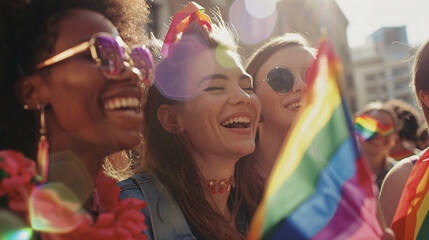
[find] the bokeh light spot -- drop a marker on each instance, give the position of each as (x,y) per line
(224,58)
(22,234)
(12,226)
(251,29)
(180,76)
(260,8)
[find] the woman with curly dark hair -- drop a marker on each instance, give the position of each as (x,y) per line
(70,95)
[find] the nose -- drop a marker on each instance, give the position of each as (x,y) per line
(129,73)
(239,96)
(299,84)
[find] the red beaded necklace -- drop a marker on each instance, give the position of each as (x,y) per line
(221,185)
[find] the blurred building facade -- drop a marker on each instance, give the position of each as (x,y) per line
(382,67)
(304,16)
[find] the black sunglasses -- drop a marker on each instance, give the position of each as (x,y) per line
(281,79)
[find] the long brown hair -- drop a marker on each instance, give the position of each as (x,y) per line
(172,164)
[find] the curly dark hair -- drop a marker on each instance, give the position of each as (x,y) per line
(408,117)
(28,31)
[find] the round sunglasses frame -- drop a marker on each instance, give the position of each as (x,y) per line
(127,61)
(287,70)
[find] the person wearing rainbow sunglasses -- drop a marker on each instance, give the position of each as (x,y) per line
(375,128)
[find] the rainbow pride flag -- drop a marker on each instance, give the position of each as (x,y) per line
(411,220)
(320,187)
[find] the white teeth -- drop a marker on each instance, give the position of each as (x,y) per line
(294,105)
(117,103)
(121,102)
(242,119)
(130,101)
(111,105)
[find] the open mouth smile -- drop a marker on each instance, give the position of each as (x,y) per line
(122,103)
(295,105)
(236,122)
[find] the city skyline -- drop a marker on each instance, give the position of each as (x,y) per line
(367,16)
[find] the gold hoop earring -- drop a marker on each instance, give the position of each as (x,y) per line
(43,146)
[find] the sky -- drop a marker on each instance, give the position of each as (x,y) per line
(367,16)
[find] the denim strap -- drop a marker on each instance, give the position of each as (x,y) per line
(166,217)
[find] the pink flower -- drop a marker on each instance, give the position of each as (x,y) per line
(117,219)
(56,212)
(15,171)
(105,187)
(16,174)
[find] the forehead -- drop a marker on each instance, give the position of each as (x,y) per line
(381,116)
(213,61)
(80,25)
(293,57)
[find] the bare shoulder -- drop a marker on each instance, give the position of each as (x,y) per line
(392,187)
(400,172)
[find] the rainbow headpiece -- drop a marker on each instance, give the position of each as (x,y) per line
(366,127)
(181,20)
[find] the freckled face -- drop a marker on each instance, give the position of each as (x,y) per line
(79,95)
(222,120)
(279,110)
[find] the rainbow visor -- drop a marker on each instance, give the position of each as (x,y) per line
(367,127)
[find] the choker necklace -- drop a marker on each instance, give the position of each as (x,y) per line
(221,185)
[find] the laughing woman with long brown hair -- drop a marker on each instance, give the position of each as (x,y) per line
(200,120)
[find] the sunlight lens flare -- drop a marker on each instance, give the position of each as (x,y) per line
(22,234)
(12,227)
(225,58)
(252,29)
(54,208)
(175,77)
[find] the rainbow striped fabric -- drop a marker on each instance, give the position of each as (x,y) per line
(367,127)
(401,154)
(320,187)
(192,12)
(411,220)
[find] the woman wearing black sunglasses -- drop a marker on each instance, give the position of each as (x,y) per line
(278,69)
(70,95)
